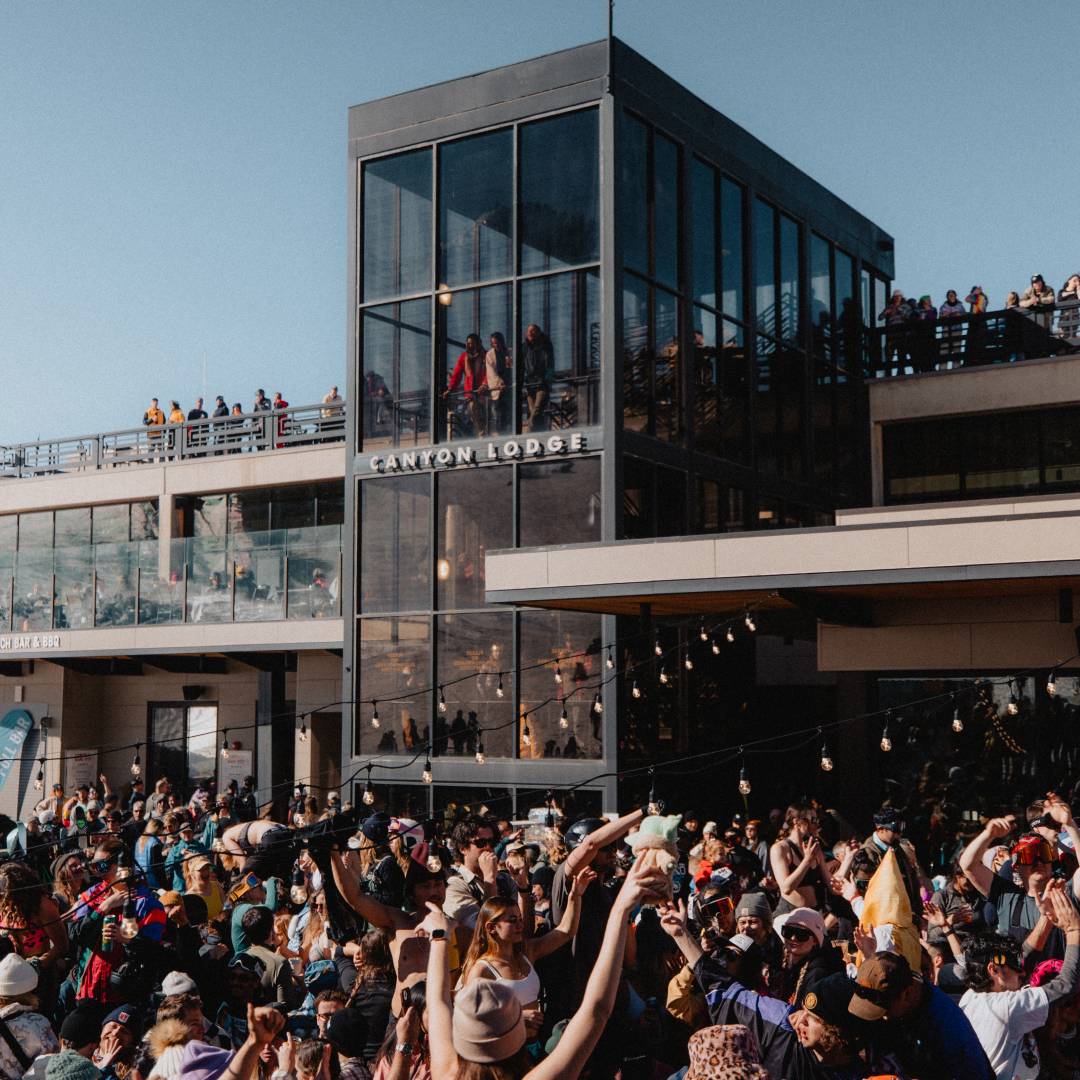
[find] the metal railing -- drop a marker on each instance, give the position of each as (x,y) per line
(994,337)
(250,577)
(254,432)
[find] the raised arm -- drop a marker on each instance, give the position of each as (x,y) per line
(367,907)
(790,877)
(444,1059)
(613,831)
(585,1027)
(971,859)
(1061,812)
(567,929)
(673,920)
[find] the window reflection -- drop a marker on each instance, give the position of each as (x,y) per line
(117,570)
(847,317)
(73,601)
(667,385)
(478,368)
(395,548)
(475,517)
(820,297)
(639,519)
(789,279)
(32,604)
(636,335)
(36,531)
(397,225)
(395,661)
(634,192)
(476,673)
(670,501)
(731,236)
(666,214)
(559,185)
(476,178)
(396,359)
(560,715)
(72,528)
(704,233)
(764,268)
(558,360)
(722,400)
(559,502)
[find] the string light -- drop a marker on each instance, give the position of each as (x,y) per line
(564,720)
(526,736)
(225,742)
(39,780)
(715,647)
(442,700)
(558,673)
(957,723)
(610,660)
(703,633)
(136,764)
(826,758)
(658,648)
(480,758)
(499,692)
(303,732)
(663,675)
(426,774)
(729,636)
(744,781)
(597,703)
(1051,684)
(688,663)
(369,791)
(635,690)
(886,742)
(750,624)
(375,721)
(654,806)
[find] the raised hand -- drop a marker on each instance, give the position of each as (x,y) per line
(866,943)
(582,880)
(1000,826)
(934,915)
(673,919)
(264,1024)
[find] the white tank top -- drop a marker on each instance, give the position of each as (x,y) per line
(526,990)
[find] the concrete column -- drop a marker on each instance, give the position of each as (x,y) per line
(270,703)
(166,506)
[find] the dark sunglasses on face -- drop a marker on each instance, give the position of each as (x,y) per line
(796,933)
(101,866)
(483,842)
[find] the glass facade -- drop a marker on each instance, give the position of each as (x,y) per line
(522,352)
(1026,452)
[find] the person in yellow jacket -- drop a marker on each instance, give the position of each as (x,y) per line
(154,419)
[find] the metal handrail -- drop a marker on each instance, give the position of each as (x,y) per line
(296,425)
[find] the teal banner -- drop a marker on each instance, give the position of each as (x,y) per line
(14,728)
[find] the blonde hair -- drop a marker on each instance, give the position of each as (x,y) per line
(481,945)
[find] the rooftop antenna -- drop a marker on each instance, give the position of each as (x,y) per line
(610,46)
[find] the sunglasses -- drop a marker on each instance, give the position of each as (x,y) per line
(483,842)
(101,866)
(716,906)
(796,933)
(1030,854)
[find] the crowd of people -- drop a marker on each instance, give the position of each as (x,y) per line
(147,935)
(233,425)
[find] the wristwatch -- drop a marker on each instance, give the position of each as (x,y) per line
(438,935)
(404,1048)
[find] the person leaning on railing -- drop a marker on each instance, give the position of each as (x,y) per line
(1068,299)
(1038,299)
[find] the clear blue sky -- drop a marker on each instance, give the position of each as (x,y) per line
(173,176)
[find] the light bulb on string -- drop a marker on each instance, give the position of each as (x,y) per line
(663,675)
(715,647)
(480,758)
(1013,707)
(425,776)
(688,663)
(703,633)
(826,759)
(303,731)
(1051,684)
(225,744)
(957,723)
(658,648)
(564,720)
(526,736)
(369,791)
(610,660)
(729,635)
(598,703)
(654,808)
(39,780)
(750,624)
(886,742)
(499,691)
(744,781)
(136,764)
(558,673)
(442,700)
(635,690)
(375,721)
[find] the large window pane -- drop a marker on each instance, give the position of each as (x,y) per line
(476,198)
(209,516)
(74,598)
(765,268)
(847,317)
(330,503)
(789,278)
(201,742)
(639,518)
(476,653)
(249,512)
(397,225)
(670,501)
(117,568)
(637,364)
(482,315)
(559,183)
(1061,447)
(165,749)
(314,573)
(257,562)
(73,527)
(722,404)
(560,715)
(559,502)
(209,580)
(703,234)
(731,236)
(396,382)
(395,544)
(35,531)
(475,517)
(666,212)
(559,360)
(293,508)
(1003,455)
(395,661)
(921,461)
(667,385)
(32,605)
(633,193)
(820,297)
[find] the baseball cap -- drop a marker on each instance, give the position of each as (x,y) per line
(347,1032)
(249,963)
(881,979)
(829,999)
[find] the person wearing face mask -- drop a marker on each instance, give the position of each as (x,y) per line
(888,835)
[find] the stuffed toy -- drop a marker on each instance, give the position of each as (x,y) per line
(656,837)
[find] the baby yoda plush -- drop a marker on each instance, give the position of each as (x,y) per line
(656,837)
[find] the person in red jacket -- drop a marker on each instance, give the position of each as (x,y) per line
(470,372)
(282,424)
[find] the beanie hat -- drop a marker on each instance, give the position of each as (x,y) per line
(177,982)
(376,827)
(17,976)
(167,1040)
(347,1032)
(81,1027)
(805,917)
(755,904)
(128,1016)
(201,1061)
(68,1065)
(488,1024)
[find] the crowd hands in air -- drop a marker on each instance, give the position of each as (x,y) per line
(147,935)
